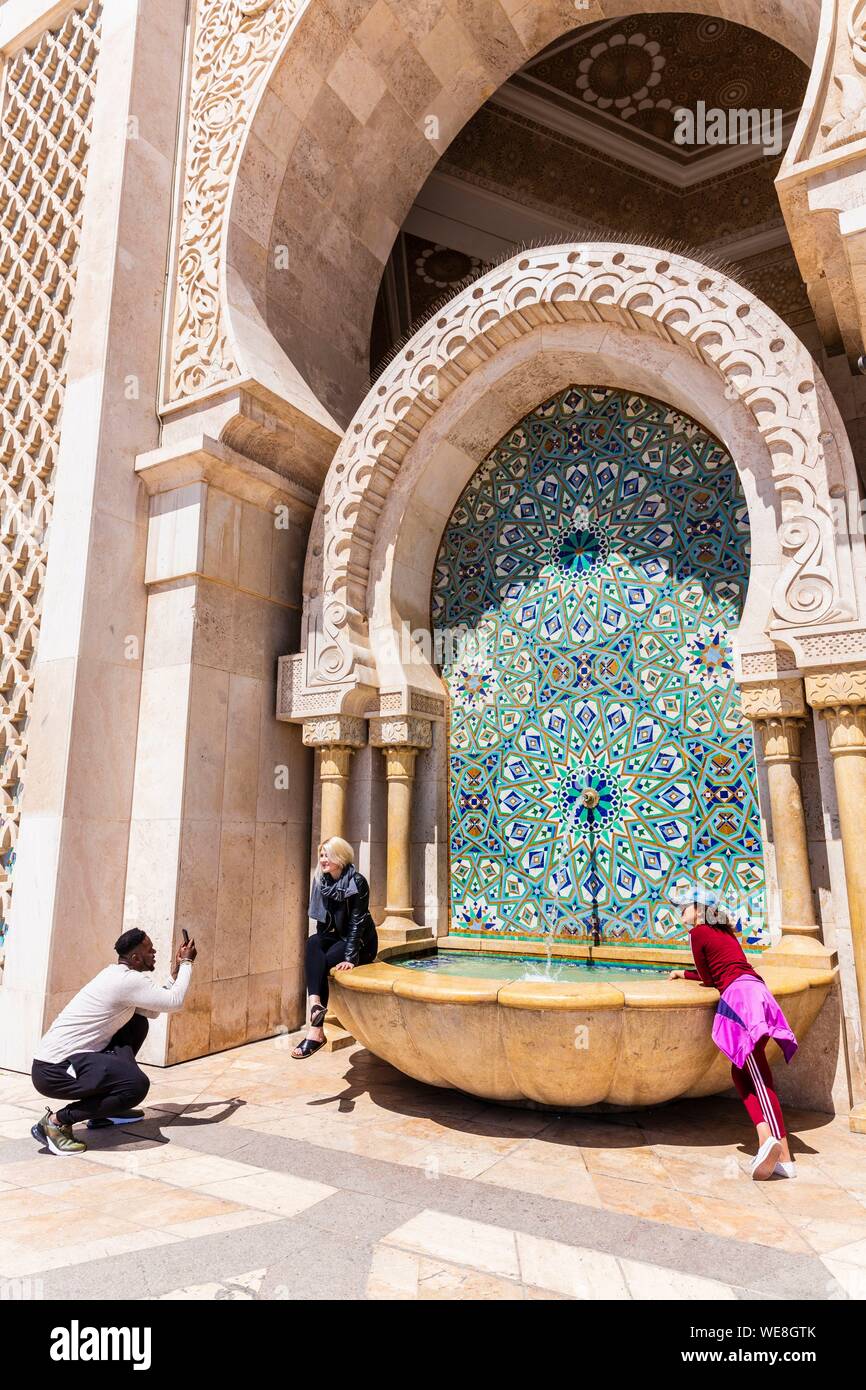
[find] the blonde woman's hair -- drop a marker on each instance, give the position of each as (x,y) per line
(337,850)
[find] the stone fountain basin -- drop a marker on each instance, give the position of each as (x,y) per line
(554,1044)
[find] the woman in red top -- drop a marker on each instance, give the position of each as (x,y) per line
(747,1016)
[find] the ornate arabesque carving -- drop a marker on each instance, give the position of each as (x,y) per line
(831,689)
(235,43)
(402,732)
(762,362)
(844,119)
(776,698)
(44,144)
(840,699)
(341,730)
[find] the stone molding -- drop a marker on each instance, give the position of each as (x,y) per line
(201,459)
(403,732)
(779,698)
(344,731)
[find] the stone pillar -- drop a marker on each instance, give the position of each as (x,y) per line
(336,739)
(219,842)
(840,699)
(778,711)
(68,899)
(400,740)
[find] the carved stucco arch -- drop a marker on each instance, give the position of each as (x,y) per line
(603,314)
(308,129)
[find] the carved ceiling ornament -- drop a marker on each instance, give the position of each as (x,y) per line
(762,362)
(234,46)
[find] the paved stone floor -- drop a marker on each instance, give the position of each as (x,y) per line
(256,1176)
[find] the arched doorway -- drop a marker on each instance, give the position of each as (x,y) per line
(586,590)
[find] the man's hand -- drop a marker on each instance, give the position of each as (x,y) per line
(344,965)
(185,951)
(677,975)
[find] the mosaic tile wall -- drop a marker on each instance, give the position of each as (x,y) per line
(595,567)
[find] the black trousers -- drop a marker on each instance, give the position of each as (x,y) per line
(105,1083)
(324,952)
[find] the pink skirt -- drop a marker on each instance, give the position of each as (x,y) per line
(746,1013)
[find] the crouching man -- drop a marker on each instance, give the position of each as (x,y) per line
(87,1057)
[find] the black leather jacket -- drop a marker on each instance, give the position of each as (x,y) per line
(351,921)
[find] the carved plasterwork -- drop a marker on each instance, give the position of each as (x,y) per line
(761,361)
(819,181)
(337,731)
(234,45)
(44,145)
(832,689)
(773,699)
(766,663)
(840,699)
(400,732)
(845,117)
(399,702)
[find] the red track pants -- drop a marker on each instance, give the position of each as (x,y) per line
(754,1083)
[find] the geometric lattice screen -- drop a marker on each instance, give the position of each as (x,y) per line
(44,143)
(598,562)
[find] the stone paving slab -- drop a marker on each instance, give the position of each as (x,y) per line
(343,1179)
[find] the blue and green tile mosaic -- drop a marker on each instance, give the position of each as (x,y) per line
(597,564)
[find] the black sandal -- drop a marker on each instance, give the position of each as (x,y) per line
(307,1048)
(317,1015)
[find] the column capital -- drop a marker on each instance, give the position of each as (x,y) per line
(399,762)
(773,699)
(400,731)
(335,731)
(780,738)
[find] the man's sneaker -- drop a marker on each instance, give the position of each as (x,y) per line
(60,1139)
(38,1130)
(108,1121)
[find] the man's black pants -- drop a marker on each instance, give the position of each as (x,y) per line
(105,1083)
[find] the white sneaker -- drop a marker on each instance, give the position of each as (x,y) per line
(785,1170)
(765,1159)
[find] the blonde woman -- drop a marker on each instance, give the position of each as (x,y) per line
(345,935)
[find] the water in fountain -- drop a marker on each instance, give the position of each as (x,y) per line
(551,912)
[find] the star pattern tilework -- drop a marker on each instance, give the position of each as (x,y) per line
(594,570)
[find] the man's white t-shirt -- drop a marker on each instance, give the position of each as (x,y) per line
(90,1020)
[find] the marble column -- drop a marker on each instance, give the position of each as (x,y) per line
(840,699)
(778,711)
(336,739)
(400,740)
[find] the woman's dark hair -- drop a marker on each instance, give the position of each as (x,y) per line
(128,942)
(716,915)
